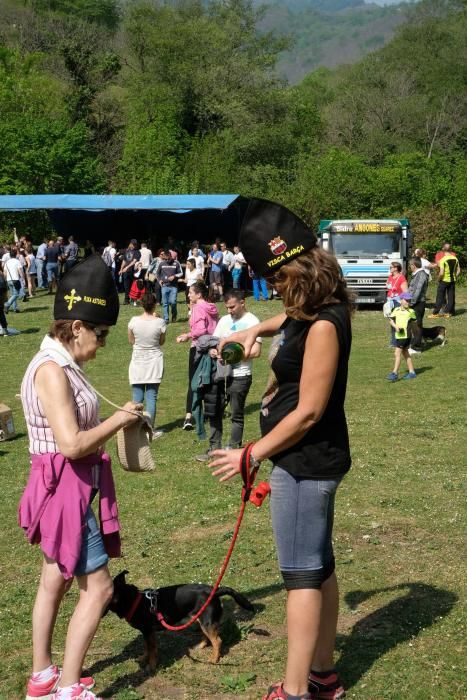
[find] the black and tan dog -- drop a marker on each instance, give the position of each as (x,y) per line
(174,603)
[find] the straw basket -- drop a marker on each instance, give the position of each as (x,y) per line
(133,446)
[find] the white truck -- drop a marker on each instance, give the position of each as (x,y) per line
(364,249)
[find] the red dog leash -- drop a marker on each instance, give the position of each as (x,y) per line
(248,493)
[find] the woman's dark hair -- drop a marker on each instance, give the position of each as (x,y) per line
(148,301)
(397,265)
(309,282)
(192,261)
(200,288)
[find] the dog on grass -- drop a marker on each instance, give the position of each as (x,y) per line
(174,603)
(435,333)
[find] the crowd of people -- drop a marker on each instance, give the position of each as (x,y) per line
(302,418)
(26,269)
(406,304)
(137,268)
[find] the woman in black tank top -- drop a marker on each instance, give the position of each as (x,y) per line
(304,433)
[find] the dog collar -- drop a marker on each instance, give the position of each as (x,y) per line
(134,607)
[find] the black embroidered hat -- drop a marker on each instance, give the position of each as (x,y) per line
(271,235)
(87,292)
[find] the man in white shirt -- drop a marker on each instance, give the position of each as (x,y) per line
(14,276)
(238,385)
(108,254)
(195,246)
(228,262)
(6,254)
(427,266)
(196,255)
(238,267)
(145,259)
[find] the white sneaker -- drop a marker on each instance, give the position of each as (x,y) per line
(157,434)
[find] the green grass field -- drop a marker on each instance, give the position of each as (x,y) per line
(399,531)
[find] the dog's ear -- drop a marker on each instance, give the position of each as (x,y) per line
(120,578)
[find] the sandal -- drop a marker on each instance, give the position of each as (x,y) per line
(277,692)
(325,686)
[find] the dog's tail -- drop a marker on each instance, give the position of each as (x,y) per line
(238,597)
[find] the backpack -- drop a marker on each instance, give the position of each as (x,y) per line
(107,258)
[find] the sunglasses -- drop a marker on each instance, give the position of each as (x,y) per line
(100,333)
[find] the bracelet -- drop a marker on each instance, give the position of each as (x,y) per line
(254,463)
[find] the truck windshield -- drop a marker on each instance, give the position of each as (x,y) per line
(365,245)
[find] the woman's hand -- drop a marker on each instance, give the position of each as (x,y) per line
(226,463)
(130,418)
(246,338)
(183,337)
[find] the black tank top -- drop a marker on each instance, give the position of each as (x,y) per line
(324,451)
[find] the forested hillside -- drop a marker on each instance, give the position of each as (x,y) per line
(329,32)
(185,97)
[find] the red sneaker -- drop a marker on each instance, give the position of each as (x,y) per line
(325,687)
(47,689)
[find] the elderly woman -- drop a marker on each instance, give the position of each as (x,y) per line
(69,468)
(304,434)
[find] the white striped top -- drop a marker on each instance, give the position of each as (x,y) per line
(41,439)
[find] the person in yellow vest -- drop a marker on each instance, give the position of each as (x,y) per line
(449,270)
(399,319)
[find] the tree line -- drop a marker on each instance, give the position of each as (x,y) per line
(150,96)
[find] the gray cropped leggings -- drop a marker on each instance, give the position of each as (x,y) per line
(302,512)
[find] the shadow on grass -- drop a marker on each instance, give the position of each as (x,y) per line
(17,436)
(256,593)
(431,346)
(29,331)
(175,424)
(132,651)
(417,607)
(420,370)
(33,309)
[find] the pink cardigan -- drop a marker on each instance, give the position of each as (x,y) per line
(54,503)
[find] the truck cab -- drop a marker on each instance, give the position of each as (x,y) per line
(365,249)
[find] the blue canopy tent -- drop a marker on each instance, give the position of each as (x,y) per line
(145,217)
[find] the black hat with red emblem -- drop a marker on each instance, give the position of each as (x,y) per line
(87,292)
(271,236)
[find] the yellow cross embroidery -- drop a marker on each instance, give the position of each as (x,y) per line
(71,299)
